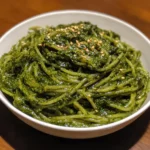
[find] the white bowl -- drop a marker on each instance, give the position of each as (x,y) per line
(128,34)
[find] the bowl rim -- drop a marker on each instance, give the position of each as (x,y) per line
(74,129)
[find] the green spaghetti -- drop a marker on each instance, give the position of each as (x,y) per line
(75,75)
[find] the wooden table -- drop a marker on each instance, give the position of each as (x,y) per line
(14,134)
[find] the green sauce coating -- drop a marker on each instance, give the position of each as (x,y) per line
(75,75)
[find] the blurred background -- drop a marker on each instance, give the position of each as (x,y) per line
(15,134)
(136,12)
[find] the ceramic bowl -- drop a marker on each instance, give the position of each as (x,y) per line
(128,33)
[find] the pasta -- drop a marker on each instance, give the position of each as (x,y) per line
(74,75)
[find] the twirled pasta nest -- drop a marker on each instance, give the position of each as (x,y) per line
(74,75)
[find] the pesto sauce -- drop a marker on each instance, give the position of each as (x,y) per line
(74,75)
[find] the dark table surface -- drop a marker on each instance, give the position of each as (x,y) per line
(14,134)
